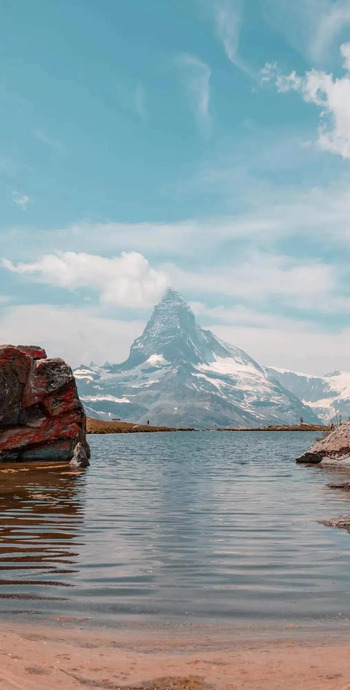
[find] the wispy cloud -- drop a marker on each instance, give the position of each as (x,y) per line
(311,26)
(52,143)
(195,75)
(240,315)
(21,200)
(227,19)
(330,94)
(261,277)
(331,22)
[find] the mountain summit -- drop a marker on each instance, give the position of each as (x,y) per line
(180,374)
(172,332)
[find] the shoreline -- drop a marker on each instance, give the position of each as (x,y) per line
(100,426)
(69,654)
(292,427)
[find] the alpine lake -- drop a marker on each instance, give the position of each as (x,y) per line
(175,527)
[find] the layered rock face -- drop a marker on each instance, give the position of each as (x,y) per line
(41,416)
(331,450)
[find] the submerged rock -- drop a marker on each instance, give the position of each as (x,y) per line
(344,486)
(41,416)
(342,522)
(332,450)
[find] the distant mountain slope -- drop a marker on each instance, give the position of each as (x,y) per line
(178,374)
(327,395)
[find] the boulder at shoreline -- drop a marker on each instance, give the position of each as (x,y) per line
(333,449)
(41,416)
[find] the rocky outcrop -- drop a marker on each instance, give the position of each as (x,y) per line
(333,449)
(41,416)
(341,522)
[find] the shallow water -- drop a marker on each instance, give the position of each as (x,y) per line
(177,527)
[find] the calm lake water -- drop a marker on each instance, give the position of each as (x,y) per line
(171,527)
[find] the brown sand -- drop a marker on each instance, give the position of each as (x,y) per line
(63,657)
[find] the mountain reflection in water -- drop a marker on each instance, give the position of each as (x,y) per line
(41,515)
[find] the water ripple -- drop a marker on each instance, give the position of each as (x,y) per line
(175,526)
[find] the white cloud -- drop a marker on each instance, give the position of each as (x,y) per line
(228,26)
(77,335)
(311,26)
(330,94)
(227,17)
(195,75)
(269,215)
(228,20)
(239,315)
(275,340)
(127,280)
(21,200)
(261,277)
(298,347)
(331,21)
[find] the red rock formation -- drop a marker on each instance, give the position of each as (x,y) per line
(41,416)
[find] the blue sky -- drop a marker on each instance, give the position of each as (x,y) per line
(203,144)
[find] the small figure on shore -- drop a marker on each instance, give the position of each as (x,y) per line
(147,422)
(301,420)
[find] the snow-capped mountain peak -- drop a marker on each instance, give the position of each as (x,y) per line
(179,374)
(327,395)
(172,332)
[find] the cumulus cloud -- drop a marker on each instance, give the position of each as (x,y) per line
(330,94)
(126,280)
(195,75)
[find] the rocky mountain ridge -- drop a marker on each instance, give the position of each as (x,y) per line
(328,396)
(179,374)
